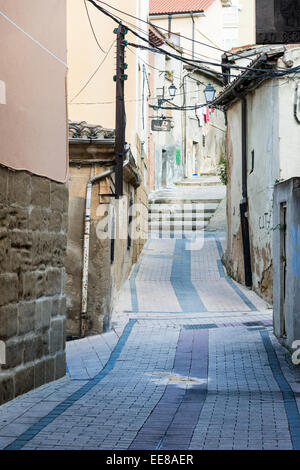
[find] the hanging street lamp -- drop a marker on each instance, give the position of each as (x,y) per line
(209,93)
(172,90)
(161,95)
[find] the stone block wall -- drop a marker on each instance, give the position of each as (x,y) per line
(142,227)
(33,226)
(106,276)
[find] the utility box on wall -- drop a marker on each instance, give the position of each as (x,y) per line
(286,254)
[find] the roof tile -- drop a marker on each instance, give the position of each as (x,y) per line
(178,6)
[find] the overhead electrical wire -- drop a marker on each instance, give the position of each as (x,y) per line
(157,49)
(29,36)
(92,28)
(149,65)
(135,100)
(166,30)
(93,74)
(194,63)
(265,73)
(188,51)
(126,22)
(120,20)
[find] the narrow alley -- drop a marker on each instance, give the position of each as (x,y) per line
(191,363)
(149,229)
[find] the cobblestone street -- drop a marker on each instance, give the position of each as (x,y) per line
(190,363)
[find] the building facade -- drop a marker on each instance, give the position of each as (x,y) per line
(117,233)
(166,148)
(199,31)
(262,141)
(33,194)
(92,92)
(238,23)
(92,66)
(204,127)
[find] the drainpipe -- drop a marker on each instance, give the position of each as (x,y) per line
(86,244)
(169,25)
(193,35)
(296,104)
(185,126)
(244,204)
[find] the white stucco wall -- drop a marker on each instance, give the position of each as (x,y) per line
(234,189)
(263,139)
(169,141)
(212,149)
(274,136)
(289,132)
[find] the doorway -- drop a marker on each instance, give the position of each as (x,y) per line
(194,159)
(164,168)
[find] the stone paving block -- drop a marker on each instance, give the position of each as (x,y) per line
(134,366)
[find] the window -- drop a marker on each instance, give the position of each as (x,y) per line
(231,14)
(175,38)
(231,38)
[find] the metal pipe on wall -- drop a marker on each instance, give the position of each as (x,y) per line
(169,26)
(244,205)
(86,244)
(193,35)
(296,104)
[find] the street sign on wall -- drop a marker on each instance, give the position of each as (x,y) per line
(277,21)
(161,125)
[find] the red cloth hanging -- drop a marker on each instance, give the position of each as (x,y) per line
(207,114)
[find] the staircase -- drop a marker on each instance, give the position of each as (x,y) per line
(185,209)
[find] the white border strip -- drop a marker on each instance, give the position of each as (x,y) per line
(32,39)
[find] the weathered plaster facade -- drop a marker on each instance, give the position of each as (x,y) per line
(191,145)
(107,271)
(272,140)
(166,149)
(205,142)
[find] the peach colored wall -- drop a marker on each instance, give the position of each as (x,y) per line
(33,114)
(151,153)
(96,104)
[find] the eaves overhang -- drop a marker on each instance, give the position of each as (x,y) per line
(210,73)
(176,13)
(90,144)
(248,80)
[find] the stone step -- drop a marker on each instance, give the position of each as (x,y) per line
(187,207)
(187,216)
(185,201)
(188,234)
(166,225)
(211,180)
(196,205)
